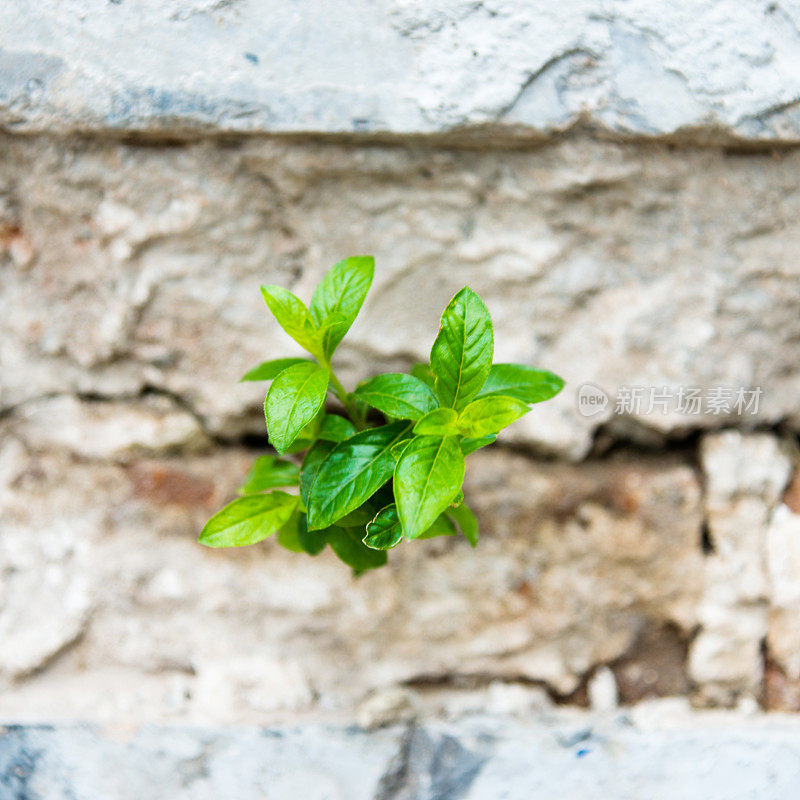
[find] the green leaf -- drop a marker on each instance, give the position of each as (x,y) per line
(248,520)
(269,472)
(311,429)
(442,526)
(439,422)
(397,449)
(293,316)
(471,445)
(316,454)
(397,395)
(348,546)
(293,400)
(428,476)
(524,383)
(424,373)
(461,356)
(341,292)
(269,370)
(295,536)
(466,521)
(331,332)
(360,517)
(298,445)
(352,471)
(336,429)
(489,415)
(384,532)
(313,542)
(289,535)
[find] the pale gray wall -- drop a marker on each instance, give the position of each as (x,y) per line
(637,67)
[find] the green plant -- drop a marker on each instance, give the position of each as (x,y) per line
(393,467)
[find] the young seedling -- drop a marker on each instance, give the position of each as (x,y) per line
(365,484)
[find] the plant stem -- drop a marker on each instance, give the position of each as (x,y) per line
(346,400)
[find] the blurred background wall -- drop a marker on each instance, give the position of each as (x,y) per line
(619,181)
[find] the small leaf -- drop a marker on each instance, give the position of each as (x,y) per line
(397,395)
(353,471)
(458,499)
(269,472)
(471,445)
(336,429)
(428,476)
(289,535)
(293,400)
(349,548)
(439,422)
(342,292)
(442,526)
(466,521)
(397,449)
(294,536)
(360,517)
(311,429)
(269,370)
(384,540)
(489,415)
(425,374)
(293,316)
(524,383)
(316,454)
(248,520)
(384,532)
(331,332)
(461,356)
(313,542)
(298,445)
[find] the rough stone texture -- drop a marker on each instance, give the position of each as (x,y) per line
(116,430)
(130,295)
(783,569)
(745,477)
(575,563)
(130,268)
(569,755)
(403,66)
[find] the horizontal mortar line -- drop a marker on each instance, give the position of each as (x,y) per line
(684,442)
(488,137)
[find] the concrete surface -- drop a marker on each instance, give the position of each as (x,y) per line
(631,67)
(567,757)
